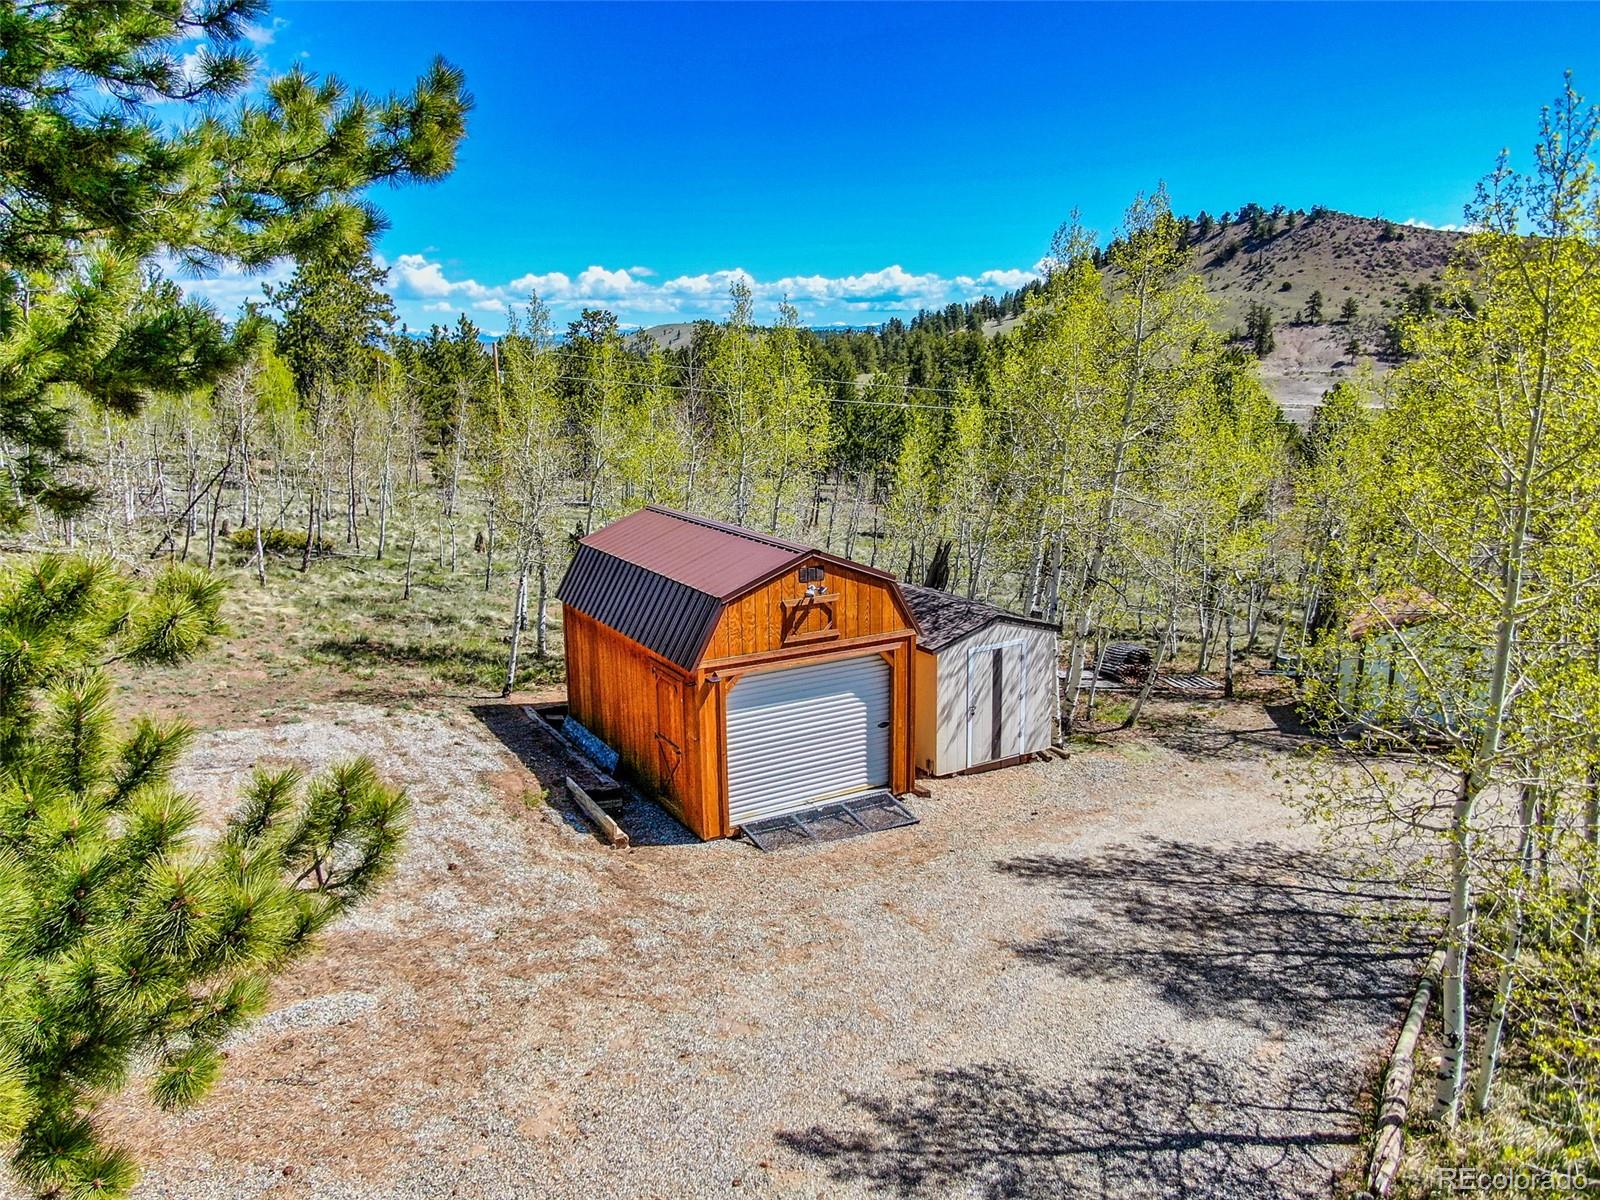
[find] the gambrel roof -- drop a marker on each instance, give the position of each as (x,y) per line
(661,577)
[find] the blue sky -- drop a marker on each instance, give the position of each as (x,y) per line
(867,161)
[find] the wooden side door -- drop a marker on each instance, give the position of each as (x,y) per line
(669,736)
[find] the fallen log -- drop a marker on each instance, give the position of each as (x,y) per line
(598,817)
(1388,1145)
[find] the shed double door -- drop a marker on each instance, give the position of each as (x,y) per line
(805,735)
(995,702)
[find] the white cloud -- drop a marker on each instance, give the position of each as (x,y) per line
(264,35)
(424,287)
(1419,223)
(637,292)
(230,286)
(192,65)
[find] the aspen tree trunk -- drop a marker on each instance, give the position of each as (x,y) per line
(1591,837)
(1094,682)
(1074,687)
(188,516)
(1277,644)
(855,517)
(517,615)
(488,566)
(383,499)
(542,629)
(261,552)
(1494,1034)
(353,532)
(1110,506)
(161,485)
(1227,652)
(1052,594)
(1475,780)
(411,554)
(1030,597)
(243,437)
(211,525)
(311,529)
(1155,667)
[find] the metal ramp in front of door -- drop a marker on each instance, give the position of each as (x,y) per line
(870,812)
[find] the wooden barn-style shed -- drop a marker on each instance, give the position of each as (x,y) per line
(985,683)
(738,675)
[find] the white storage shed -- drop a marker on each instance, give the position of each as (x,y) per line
(985,684)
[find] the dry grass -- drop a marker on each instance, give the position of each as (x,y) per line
(345,630)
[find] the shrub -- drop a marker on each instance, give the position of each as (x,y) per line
(278,541)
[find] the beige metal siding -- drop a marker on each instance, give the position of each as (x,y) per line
(1033,698)
(925,710)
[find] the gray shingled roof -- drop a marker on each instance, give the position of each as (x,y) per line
(945,618)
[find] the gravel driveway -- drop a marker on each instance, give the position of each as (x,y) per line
(1123,974)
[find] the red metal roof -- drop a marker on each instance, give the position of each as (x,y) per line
(661,577)
(708,556)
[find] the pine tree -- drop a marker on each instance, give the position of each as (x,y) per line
(95,192)
(127,947)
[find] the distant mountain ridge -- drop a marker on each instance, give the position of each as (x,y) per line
(1279,258)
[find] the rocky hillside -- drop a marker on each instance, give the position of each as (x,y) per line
(1372,261)
(1344,258)
(1280,262)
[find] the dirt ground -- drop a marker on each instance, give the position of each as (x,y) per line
(1128,973)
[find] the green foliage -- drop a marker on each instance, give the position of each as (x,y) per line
(333,318)
(1314,307)
(1458,557)
(1258,329)
(278,541)
(96,184)
(128,946)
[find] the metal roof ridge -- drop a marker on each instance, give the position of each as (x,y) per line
(673,579)
(729,528)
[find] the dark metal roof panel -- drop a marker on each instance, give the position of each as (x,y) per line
(661,614)
(945,618)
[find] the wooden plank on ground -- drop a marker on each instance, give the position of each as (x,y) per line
(598,817)
(589,775)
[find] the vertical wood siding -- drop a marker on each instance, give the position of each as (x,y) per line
(753,624)
(669,726)
(637,704)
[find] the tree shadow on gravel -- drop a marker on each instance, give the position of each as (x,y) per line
(1158,1122)
(1259,933)
(1195,736)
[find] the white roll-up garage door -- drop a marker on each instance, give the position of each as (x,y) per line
(804,735)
